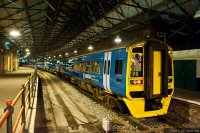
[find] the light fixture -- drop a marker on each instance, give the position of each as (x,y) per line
(7,43)
(54,56)
(66,54)
(75,51)
(28,53)
(14,33)
(197,14)
(90,47)
(118,39)
(60,55)
(27,50)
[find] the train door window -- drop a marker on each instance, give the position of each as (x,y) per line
(137,62)
(95,67)
(118,66)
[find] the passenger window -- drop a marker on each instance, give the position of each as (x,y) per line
(87,66)
(118,66)
(81,67)
(95,66)
(137,62)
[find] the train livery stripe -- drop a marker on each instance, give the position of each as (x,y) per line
(104,71)
(108,74)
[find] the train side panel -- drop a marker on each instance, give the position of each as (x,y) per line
(94,76)
(118,72)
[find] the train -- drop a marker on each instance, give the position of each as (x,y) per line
(136,79)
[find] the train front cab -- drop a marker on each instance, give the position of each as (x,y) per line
(150,82)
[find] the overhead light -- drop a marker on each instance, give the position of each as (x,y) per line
(49,57)
(90,47)
(60,55)
(27,50)
(28,53)
(66,54)
(118,39)
(54,56)
(75,51)
(15,33)
(7,43)
(197,14)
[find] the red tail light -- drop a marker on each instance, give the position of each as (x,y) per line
(136,82)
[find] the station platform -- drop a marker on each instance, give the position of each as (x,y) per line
(187,95)
(10,85)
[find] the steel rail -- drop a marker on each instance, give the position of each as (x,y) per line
(4,117)
(17,98)
(17,120)
(22,127)
(27,94)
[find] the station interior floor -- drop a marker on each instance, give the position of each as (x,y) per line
(10,85)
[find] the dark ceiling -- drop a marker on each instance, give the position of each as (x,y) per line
(48,26)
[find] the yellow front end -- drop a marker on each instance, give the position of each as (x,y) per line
(135,82)
(137,108)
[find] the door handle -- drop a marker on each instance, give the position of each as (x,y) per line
(159,74)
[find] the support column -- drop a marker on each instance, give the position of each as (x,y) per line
(15,59)
(1,55)
(7,61)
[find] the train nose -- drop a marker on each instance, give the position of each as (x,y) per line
(156,104)
(153,104)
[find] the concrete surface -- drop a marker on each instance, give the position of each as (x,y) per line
(187,95)
(10,85)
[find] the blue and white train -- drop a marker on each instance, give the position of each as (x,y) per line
(137,78)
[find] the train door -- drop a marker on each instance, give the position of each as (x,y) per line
(106,70)
(156,70)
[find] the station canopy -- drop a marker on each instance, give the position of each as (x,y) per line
(63,25)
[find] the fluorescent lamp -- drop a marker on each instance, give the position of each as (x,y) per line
(27,50)
(15,33)
(118,39)
(197,14)
(66,54)
(75,51)
(90,47)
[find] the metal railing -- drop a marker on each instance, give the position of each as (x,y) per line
(27,94)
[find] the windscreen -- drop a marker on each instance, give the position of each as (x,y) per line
(137,62)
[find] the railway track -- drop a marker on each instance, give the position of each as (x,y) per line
(161,121)
(145,124)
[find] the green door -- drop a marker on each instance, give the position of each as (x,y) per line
(185,74)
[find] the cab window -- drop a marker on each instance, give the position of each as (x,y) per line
(137,62)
